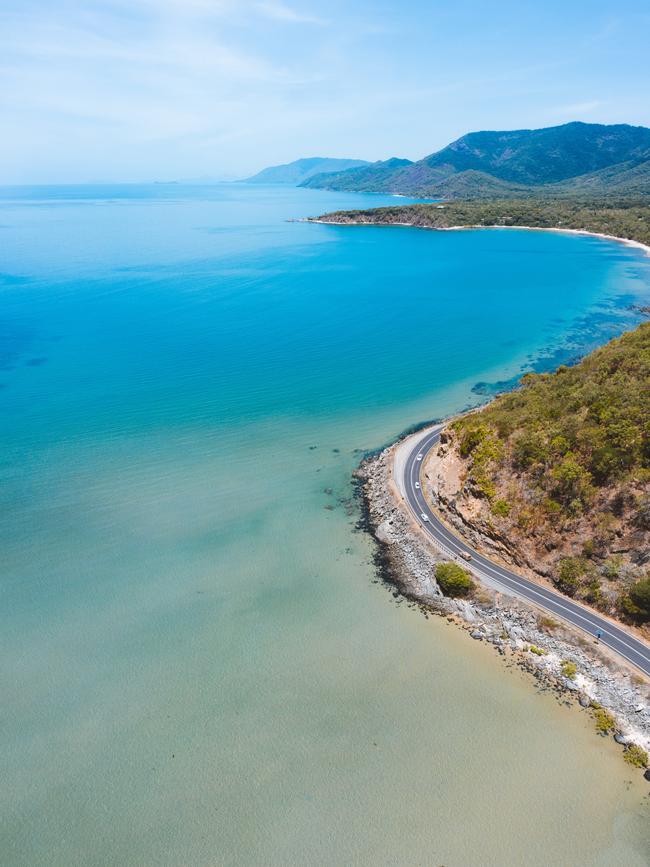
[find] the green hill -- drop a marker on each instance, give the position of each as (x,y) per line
(630,178)
(543,156)
(562,160)
(362,179)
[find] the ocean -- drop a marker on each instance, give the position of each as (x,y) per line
(198,665)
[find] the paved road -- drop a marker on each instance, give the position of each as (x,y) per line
(615,637)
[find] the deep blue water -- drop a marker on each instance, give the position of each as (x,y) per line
(195,663)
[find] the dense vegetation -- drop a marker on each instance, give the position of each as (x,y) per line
(453,579)
(566,458)
(624,218)
(575,158)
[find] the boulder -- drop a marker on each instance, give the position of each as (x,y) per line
(383,533)
(465,610)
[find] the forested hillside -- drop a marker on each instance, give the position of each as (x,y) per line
(624,218)
(560,468)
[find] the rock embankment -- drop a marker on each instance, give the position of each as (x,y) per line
(556,655)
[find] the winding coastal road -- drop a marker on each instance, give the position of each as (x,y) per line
(614,637)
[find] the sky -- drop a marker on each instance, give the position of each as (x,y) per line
(139,90)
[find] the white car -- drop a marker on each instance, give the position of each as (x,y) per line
(424,517)
(466,555)
(419,457)
(417,485)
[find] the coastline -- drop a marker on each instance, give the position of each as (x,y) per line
(628,242)
(405,559)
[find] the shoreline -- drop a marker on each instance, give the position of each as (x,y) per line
(628,242)
(405,559)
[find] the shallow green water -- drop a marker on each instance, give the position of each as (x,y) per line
(197,667)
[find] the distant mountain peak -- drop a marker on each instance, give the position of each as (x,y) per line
(393,162)
(300,170)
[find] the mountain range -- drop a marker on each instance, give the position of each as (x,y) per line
(572,159)
(300,171)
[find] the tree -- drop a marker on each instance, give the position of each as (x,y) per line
(529,449)
(637,601)
(471,439)
(572,480)
(569,574)
(453,579)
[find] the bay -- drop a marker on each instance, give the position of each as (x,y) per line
(196,664)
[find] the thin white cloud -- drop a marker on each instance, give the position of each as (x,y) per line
(101,84)
(281,12)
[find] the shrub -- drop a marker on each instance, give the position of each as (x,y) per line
(588,548)
(552,507)
(637,601)
(572,480)
(482,597)
(538,651)
(525,519)
(592,592)
(484,454)
(569,669)
(471,439)
(568,576)
(484,485)
(605,722)
(547,623)
(642,518)
(612,567)
(501,508)
(453,579)
(529,448)
(575,508)
(560,444)
(636,756)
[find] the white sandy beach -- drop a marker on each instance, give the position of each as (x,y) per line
(627,241)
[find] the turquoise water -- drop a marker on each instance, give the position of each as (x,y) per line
(196,665)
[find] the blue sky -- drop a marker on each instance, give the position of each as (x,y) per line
(160,89)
